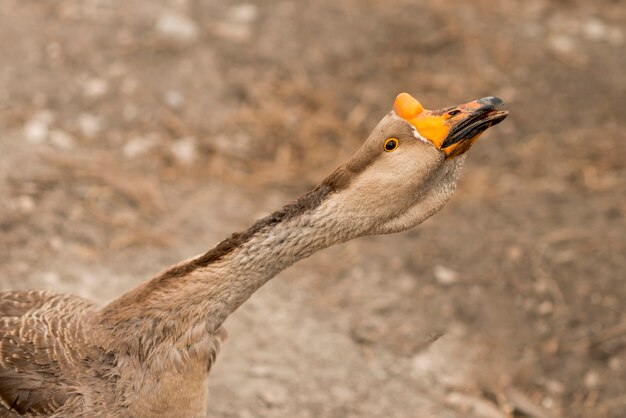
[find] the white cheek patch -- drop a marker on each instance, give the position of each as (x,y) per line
(413,129)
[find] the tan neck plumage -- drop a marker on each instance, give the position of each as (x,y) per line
(207,289)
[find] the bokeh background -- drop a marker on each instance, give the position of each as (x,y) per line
(136,133)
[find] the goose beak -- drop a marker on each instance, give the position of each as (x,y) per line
(453,130)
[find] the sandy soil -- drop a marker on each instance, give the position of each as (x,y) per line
(137,133)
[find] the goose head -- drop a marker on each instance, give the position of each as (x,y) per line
(408,167)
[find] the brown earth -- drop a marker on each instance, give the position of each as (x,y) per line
(136,133)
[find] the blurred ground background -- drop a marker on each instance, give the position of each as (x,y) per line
(137,133)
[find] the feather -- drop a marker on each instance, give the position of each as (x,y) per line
(35,347)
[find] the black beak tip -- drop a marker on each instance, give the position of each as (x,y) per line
(490,101)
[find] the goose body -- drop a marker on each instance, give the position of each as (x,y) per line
(149,352)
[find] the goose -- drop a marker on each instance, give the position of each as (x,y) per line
(148,353)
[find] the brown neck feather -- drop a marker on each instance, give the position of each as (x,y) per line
(210,287)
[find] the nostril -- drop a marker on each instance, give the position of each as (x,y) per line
(454,112)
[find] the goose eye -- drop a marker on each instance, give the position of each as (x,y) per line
(391,144)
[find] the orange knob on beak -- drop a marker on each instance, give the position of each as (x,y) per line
(453,130)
